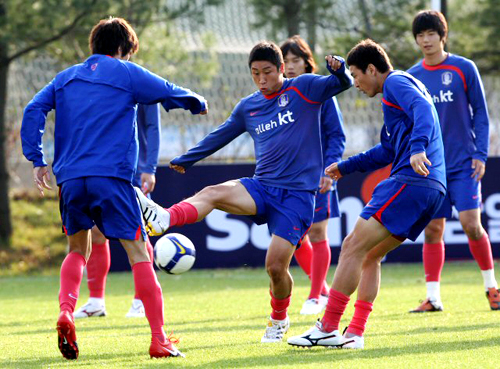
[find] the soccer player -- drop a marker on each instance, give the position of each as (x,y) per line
(148,129)
(283,120)
(314,254)
(401,206)
(457,91)
(94,162)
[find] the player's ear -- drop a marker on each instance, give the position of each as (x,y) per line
(371,69)
(282,68)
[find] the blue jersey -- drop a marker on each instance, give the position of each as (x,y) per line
(148,134)
(285,127)
(332,133)
(458,93)
(411,126)
(95,130)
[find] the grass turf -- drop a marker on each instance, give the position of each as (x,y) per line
(220,316)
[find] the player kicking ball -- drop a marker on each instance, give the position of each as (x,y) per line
(282,117)
(400,207)
(94,162)
(457,90)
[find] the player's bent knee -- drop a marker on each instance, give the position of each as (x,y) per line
(473,230)
(276,270)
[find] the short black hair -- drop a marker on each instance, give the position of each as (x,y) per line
(266,51)
(430,20)
(369,52)
(111,35)
(298,47)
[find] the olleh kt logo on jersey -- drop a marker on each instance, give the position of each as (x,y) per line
(282,119)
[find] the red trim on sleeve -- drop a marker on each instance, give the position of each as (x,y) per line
(272,96)
(391,104)
(446,66)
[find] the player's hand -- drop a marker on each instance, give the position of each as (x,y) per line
(333,62)
(418,163)
(42,179)
(479,168)
(325,184)
(333,172)
(148,182)
(204,112)
(177,168)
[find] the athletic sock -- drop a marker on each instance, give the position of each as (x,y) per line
(321,256)
(303,255)
(149,290)
(182,213)
(362,310)
(71,278)
(337,302)
(279,307)
(489,279)
(481,250)
(151,257)
(98,268)
(433,256)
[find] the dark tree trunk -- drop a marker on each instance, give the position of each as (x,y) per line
(292,11)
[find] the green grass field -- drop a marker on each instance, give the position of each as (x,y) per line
(220,317)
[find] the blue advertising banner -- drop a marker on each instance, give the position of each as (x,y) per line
(228,241)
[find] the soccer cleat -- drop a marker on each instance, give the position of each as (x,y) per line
(90,310)
(156,218)
(317,337)
(275,330)
(66,336)
(493,297)
(353,342)
(323,300)
(167,349)
(136,310)
(428,306)
(312,307)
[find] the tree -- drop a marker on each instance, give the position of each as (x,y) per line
(61,28)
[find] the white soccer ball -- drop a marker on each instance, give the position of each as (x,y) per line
(174,253)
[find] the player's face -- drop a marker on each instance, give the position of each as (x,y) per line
(430,42)
(365,82)
(267,77)
(294,65)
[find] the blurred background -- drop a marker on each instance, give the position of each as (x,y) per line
(204,45)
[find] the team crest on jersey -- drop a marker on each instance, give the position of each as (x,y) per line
(283,100)
(446,78)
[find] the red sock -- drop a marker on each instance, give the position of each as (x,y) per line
(303,255)
(98,268)
(433,255)
(279,306)
(151,256)
(182,213)
(71,278)
(337,302)
(149,291)
(362,310)
(321,256)
(481,250)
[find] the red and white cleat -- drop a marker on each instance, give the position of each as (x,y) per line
(66,336)
(158,349)
(493,297)
(428,306)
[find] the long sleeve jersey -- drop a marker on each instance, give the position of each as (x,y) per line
(332,133)
(411,126)
(148,135)
(458,93)
(95,126)
(285,127)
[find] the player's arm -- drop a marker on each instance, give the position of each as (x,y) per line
(214,141)
(153,132)
(480,120)
(332,127)
(377,157)
(318,89)
(413,102)
(32,129)
(150,88)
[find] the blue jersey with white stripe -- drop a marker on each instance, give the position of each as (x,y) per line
(285,127)
(458,93)
(411,126)
(95,130)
